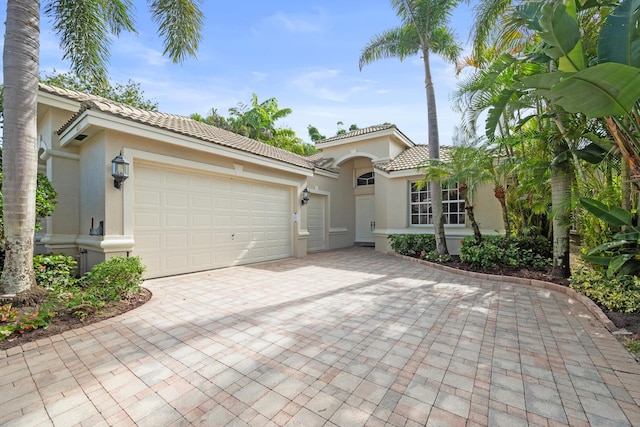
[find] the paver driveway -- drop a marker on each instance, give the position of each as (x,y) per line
(346,338)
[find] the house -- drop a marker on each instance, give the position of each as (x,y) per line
(198,197)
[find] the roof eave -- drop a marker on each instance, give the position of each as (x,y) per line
(90,122)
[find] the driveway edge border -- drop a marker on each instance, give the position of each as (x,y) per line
(586,301)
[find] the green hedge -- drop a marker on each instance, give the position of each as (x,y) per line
(517,252)
(412,244)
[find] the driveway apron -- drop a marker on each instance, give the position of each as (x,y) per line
(342,338)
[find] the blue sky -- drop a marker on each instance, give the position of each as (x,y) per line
(304,53)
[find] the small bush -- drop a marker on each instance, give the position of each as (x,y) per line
(412,244)
(54,272)
(615,293)
(114,279)
(495,251)
(433,256)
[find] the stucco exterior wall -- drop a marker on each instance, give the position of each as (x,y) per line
(392,209)
(341,204)
(376,148)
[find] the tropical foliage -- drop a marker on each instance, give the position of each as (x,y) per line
(557,84)
(129,93)
(257,120)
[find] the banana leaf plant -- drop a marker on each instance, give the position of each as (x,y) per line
(622,254)
(609,90)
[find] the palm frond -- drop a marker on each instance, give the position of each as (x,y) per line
(179,24)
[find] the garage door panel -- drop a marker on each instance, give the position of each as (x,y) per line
(176,262)
(190,221)
(201,240)
(176,240)
(147,219)
(176,199)
(202,220)
(202,201)
(180,220)
(149,198)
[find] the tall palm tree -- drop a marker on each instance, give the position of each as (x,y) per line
(84,28)
(424,29)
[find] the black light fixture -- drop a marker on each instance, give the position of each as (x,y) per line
(119,170)
(305,196)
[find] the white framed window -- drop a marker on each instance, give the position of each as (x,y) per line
(366,179)
(420,209)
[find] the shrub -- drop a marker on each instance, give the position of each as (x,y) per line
(54,272)
(434,256)
(614,293)
(495,251)
(412,244)
(114,279)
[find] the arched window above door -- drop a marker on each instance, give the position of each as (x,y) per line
(366,179)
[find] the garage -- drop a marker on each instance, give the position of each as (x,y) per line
(316,223)
(186,220)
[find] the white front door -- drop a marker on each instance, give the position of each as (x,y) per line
(365,219)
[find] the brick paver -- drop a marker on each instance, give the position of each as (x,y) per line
(341,338)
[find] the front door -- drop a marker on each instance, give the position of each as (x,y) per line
(365,219)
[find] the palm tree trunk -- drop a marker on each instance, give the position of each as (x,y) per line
(434,153)
(501,194)
(561,200)
(19,159)
(474,224)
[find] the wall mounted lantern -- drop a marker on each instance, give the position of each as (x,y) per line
(305,196)
(119,170)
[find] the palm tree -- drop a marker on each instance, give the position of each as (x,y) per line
(467,167)
(423,30)
(84,28)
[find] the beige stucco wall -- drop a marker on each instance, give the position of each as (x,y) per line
(376,148)
(392,213)
(341,204)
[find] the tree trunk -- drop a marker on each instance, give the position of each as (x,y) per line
(434,153)
(501,194)
(19,154)
(561,202)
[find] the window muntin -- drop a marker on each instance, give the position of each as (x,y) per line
(365,179)
(420,209)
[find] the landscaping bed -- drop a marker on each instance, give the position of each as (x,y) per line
(67,320)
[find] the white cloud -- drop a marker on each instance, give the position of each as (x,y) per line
(295,23)
(326,84)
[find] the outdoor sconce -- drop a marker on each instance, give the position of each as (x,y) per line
(305,196)
(119,170)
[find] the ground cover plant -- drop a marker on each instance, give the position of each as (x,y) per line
(62,301)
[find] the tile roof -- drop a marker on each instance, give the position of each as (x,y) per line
(357,132)
(412,158)
(177,124)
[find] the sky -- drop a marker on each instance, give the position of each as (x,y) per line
(303,53)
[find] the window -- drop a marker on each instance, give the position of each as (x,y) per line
(420,205)
(366,179)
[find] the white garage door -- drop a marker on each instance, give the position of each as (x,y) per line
(315,223)
(187,221)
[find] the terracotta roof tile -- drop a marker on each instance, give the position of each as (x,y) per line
(178,124)
(356,132)
(412,158)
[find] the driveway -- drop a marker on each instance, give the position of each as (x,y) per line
(342,338)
